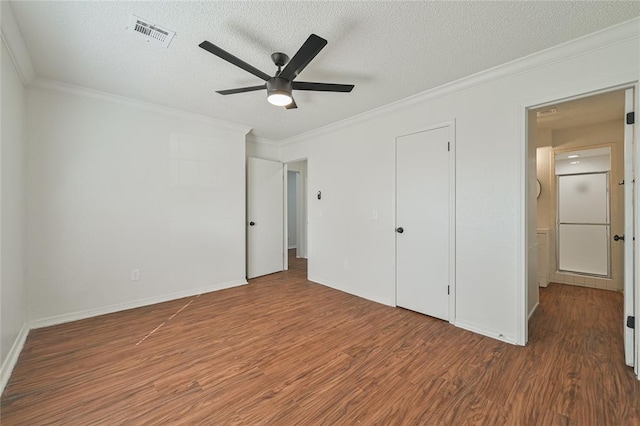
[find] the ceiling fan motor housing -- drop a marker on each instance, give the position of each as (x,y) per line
(277,85)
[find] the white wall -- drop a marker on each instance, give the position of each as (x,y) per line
(12,213)
(114,187)
(353,164)
(262,148)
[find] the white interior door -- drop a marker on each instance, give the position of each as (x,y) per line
(422,222)
(629,232)
(265,217)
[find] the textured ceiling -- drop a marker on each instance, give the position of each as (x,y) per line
(389,50)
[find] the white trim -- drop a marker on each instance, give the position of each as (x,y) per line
(12,357)
(560,53)
(261,140)
(12,38)
(452,221)
(533,310)
(301,220)
(285,217)
(353,291)
(522,246)
(433,126)
(636,248)
(608,84)
(629,244)
(75,316)
(46,85)
(489,333)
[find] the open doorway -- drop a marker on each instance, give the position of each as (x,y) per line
(581,140)
(571,236)
(296,218)
(293,182)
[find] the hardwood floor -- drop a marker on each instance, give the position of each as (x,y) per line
(285,351)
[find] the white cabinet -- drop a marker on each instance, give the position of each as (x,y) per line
(543,257)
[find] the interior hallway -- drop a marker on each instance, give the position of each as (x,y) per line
(283,350)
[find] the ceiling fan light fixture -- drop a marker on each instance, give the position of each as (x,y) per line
(279,99)
(279,91)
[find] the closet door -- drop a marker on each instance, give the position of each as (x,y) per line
(422,222)
(265,217)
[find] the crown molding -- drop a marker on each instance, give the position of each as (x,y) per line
(12,39)
(17,49)
(46,85)
(262,141)
(619,33)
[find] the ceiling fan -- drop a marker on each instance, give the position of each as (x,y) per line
(280,86)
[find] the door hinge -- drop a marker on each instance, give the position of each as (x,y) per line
(631,117)
(631,322)
(448,146)
(448,290)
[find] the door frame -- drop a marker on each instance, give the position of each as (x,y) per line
(451,124)
(302,213)
(629,250)
(297,191)
(285,217)
(523,244)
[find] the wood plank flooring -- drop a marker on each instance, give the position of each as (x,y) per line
(285,351)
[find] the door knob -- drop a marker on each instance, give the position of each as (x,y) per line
(618,237)
(400,230)
(251,223)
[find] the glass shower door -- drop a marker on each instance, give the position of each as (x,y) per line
(584,224)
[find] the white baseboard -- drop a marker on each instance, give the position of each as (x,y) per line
(354,292)
(493,334)
(75,316)
(293,247)
(12,357)
(533,310)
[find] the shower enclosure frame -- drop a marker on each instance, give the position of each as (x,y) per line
(607,224)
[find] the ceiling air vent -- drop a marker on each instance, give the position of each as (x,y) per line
(546,112)
(150,32)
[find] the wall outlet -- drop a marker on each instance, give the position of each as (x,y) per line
(346,265)
(135,274)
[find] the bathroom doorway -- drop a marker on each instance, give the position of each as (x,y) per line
(565,134)
(581,142)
